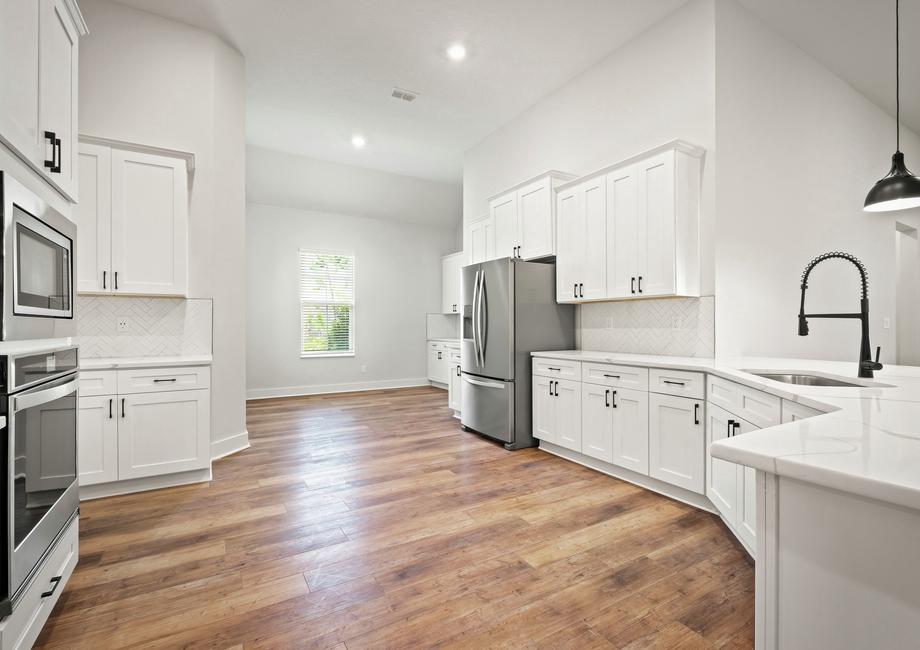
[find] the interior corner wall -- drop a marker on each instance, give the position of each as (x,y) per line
(154,81)
(657,87)
(798,150)
(398,282)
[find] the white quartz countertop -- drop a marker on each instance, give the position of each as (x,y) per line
(867,442)
(107,363)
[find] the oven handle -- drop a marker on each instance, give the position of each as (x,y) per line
(41,396)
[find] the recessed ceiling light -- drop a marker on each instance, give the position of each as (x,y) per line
(358,141)
(456,52)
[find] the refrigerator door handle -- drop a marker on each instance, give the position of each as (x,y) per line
(476,315)
(484,318)
(482,352)
(484,383)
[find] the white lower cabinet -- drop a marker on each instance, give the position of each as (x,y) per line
(453,388)
(161,433)
(615,426)
(144,429)
(98,448)
(677,441)
(557,411)
(440,365)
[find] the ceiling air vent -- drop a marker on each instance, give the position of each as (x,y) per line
(405,95)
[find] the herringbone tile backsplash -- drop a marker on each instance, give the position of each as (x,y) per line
(156,326)
(683,327)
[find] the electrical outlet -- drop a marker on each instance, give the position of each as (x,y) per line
(122,324)
(886,323)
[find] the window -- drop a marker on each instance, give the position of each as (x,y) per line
(327,304)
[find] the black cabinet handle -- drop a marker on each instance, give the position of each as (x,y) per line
(581,290)
(735,427)
(612,376)
(53,165)
(458,371)
(557,390)
(575,290)
(550,388)
(104,273)
(640,284)
(632,285)
(696,414)
(60,155)
(673,383)
(613,395)
(439,355)
(122,407)
(55,581)
(607,398)
(167,381)
(731,424)
(110,407)
(116,280)
(554,369)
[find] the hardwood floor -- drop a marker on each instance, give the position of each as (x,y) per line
(369,520)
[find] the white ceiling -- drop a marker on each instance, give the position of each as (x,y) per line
(855,40)
(320,71)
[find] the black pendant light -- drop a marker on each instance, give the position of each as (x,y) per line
(900,189)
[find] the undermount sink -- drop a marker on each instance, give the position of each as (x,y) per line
(802,379)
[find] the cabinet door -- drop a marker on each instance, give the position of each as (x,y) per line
(434,362)
(677,441)
(544,409)
(57,91)
(630,429)
(450,283)
(746,524)
(19,78)
(569,241)
(594,271)
(94,220)
(657,253)
(97,440)
(481,241)
(453,388)
(504,214)
(567,395)
(149,224)
(536,230)
(161,433)
(622,233)
(596,422)
(721,475)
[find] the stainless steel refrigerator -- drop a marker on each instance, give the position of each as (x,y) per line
(509,311)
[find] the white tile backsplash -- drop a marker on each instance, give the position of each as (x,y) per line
(674,326)
(156,326)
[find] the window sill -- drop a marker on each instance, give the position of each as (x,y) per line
(324,355)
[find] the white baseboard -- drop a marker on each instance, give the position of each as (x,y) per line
(229,445)
(325,389)
(129,486)
(647,482)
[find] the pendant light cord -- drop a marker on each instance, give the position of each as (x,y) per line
(897,71)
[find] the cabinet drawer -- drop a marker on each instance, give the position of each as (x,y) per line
(21,628)
(757,407)
(154,380)
(98,382)
(617,376)
(557,368)
(677,382)
(455,356)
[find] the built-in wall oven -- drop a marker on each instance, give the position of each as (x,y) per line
(39,491)
(38,266)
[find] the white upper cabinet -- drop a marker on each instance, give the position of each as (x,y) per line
(649,242)
(451,266)
(94,217)
(132,222)
(479,241)
(524,218)
(38,86)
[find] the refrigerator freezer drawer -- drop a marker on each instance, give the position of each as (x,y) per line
(488,406)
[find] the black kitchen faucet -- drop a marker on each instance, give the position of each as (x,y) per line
(866,364)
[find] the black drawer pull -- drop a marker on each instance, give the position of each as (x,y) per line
(556,369)
(673,383)
(161,381)
(611,376)
(55,581)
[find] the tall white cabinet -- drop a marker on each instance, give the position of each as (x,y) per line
(631,230)
(451,268)
(133,223)
(39,62)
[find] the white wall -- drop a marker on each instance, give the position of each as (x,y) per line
(398,281)
(657,87)
(278,178)
(154,81)
(798,150)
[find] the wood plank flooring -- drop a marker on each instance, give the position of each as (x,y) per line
(369,520)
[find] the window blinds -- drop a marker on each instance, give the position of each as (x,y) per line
(327,303)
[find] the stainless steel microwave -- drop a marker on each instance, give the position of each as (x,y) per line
(38,266)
